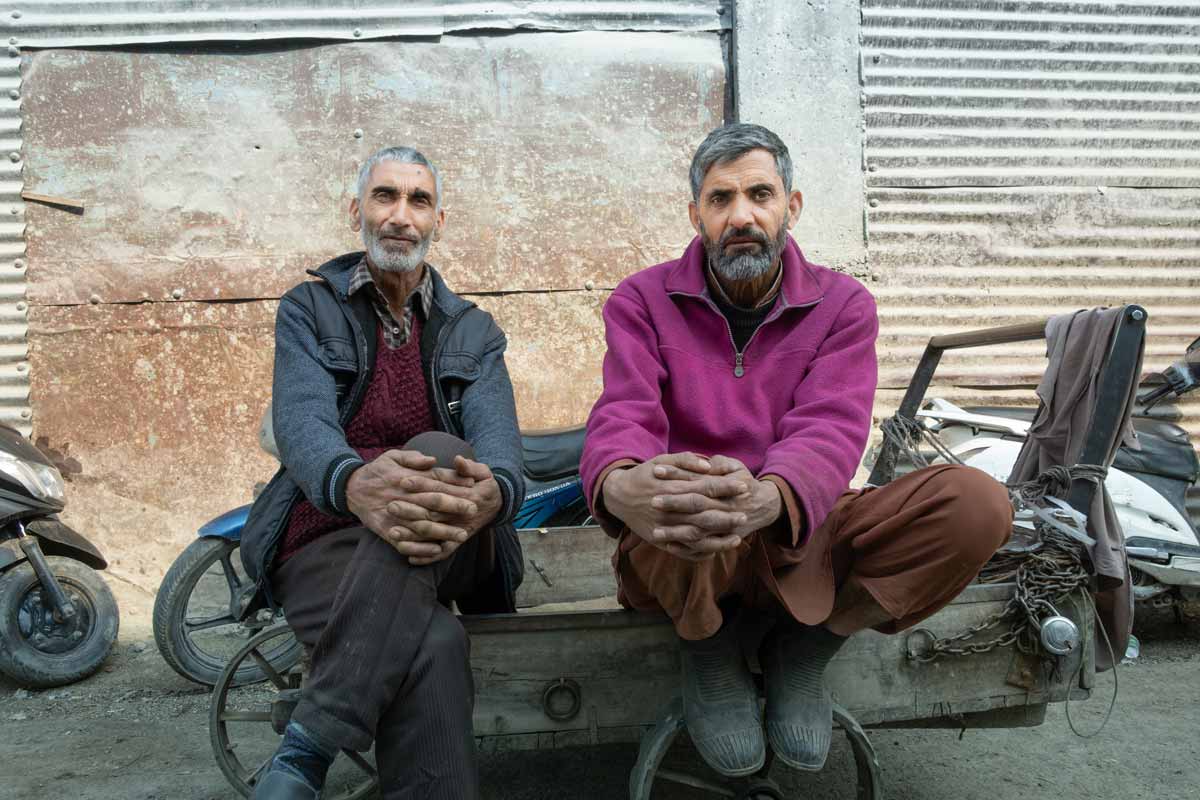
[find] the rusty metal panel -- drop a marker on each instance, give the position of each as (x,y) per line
(66,23)
(152,411)
(555,349)
(1027,159)
(153,408)
(224,176)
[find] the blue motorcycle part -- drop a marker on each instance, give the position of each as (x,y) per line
(227,526)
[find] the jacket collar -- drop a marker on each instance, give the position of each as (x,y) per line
(799,288)
(338,271)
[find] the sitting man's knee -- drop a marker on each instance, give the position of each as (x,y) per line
(982,511)
(446,638)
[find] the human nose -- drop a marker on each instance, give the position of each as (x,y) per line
(741,213)
(400,214)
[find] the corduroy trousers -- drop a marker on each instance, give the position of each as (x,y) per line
(390,661)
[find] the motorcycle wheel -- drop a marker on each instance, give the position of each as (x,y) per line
(40,652)
(195,627)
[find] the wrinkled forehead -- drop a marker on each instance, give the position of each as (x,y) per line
(749,169)
(405,178)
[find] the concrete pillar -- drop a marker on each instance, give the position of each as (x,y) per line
(798,74)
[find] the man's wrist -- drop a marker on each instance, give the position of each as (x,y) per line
(610,492)
(337,482)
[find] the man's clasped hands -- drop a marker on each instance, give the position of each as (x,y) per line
(691,506)
(425,511)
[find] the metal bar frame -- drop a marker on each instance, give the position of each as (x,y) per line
(1118,376)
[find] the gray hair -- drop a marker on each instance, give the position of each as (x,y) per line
(401,155)
(731,142)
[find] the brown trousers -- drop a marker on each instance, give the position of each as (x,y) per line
(913,544)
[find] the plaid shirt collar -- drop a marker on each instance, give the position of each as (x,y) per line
(396,332)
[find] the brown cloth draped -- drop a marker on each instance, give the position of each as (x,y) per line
(1077,345)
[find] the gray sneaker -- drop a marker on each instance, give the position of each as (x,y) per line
(720,705)
(799,706)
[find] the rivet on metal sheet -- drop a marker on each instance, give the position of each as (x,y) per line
(21,306)
(358,32)
(872,168)
(874,203)
(14,51)
(22,367)
(94,299)
(19,264)
(13,40)
(589,285)
(16,15)
(14,94)
(14,157)
(177,294)
(26,414)
(358,133)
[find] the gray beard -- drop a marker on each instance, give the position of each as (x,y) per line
(743,266)
(390,261)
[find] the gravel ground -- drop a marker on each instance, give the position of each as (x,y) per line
(136,731)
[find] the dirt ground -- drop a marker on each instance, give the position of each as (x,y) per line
(136,731)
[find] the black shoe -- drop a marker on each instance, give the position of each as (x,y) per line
(799,706)
(720,705)
(279,785)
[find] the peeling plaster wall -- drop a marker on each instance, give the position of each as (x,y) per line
(212,179)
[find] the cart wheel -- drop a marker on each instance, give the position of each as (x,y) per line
(658,740)
(244,723)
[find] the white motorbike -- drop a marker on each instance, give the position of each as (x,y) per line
(1148,487)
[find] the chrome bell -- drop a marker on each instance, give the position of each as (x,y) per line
(1059,635)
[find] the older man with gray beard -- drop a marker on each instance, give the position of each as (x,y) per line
(401,473)
(738,387)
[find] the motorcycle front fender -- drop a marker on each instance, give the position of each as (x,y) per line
(227,526)
(60,540)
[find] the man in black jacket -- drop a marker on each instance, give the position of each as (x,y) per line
(394,418)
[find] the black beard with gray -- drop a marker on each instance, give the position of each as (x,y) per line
(389,261)
(743,266)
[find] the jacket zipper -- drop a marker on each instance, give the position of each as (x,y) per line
(439,399)
(739,368)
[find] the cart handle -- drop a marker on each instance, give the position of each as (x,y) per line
(1119,375)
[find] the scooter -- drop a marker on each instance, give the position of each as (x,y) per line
(58,618)
(1148,487)
(197,624)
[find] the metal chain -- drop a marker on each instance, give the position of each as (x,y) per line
(1044,577)
(1044,574)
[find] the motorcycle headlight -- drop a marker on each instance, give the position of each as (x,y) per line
(43,482)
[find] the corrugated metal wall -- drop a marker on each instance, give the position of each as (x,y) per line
(14,368)
(1024,159)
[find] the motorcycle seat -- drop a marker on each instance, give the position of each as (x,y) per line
(552,454)
(1166,449)
(1161,428)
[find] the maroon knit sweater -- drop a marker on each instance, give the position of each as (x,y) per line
(395,409)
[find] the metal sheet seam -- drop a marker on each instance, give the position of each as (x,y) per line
(98,23)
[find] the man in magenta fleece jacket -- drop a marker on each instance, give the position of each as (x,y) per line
(738,386)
